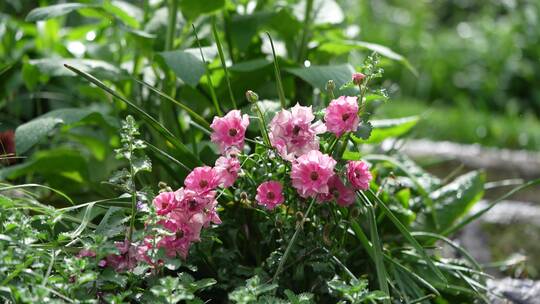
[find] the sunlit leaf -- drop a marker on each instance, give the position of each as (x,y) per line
(52,11)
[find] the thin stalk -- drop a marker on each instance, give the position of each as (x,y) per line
(133,199)
(208,77)
(223,63)
(263,124)
(279,85)
(171,25)
(305,33)
(291,242)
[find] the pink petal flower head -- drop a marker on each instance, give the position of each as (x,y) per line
(358,78)
(227,169)
(165,202)
(342,115)
(358,174)
(292,132)
(86,253)
(311,172)
(343,195)
(230,130)
(270,194)
(202,179)
(126,260)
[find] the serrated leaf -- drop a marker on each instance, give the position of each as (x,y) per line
(364,130)
(141,163)
(185,66)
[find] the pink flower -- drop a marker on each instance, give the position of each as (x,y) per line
(270,194)
(126,260)
(358,174)
(342,115)
(86,253)
(165,202)
(227,169)
(229,131)
(202,179)
(311,172)
(357,78)
(292,132)
(343,195)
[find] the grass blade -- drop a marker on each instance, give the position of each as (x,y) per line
(192,113)
(208,77)
(62,194)
(222,58)
(281,92)
(382,275)
(169,157)
(193,160)
(405,232)
(475,216)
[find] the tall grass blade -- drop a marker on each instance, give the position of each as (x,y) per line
(62,194)
(169,157)
(479,213)
(279,84)
(193,160)
(405,232)
(223,63)
(192,113)
(208,76)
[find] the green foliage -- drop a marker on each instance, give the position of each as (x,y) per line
(142,62)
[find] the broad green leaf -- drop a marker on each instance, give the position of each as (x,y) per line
(193,8)
(185,65)
(55,67)
(52,11)
(452,201)
(142,163)
(387,128)
(344,46)
(32,132)
(324,11)
(250,65)
(127,12)
(318,76)
(244,27)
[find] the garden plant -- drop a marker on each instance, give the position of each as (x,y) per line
(189,151)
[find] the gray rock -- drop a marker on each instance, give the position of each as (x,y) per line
(514,291)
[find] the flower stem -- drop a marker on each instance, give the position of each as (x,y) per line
(291,242)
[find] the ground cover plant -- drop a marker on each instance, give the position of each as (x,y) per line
(217,153)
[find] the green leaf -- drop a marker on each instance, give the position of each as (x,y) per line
(454,200)
(250,65)
(185,65)
(387,128)
(364,130)
(67,164)
(126,12)
(191,158)
(141,163)
(32,132)
(318,76)
(112,223)
(47,12)
(193,8)
(55,67)
(244,27)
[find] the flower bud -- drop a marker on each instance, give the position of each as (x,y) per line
(357,78)
(330,85)
(252,96)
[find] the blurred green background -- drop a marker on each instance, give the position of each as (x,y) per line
(476,62)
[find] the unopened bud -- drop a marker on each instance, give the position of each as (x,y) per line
(330,85)
(299,217)
(355,212)
(163,187)
(252,96)
(357,78)
(326,235)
